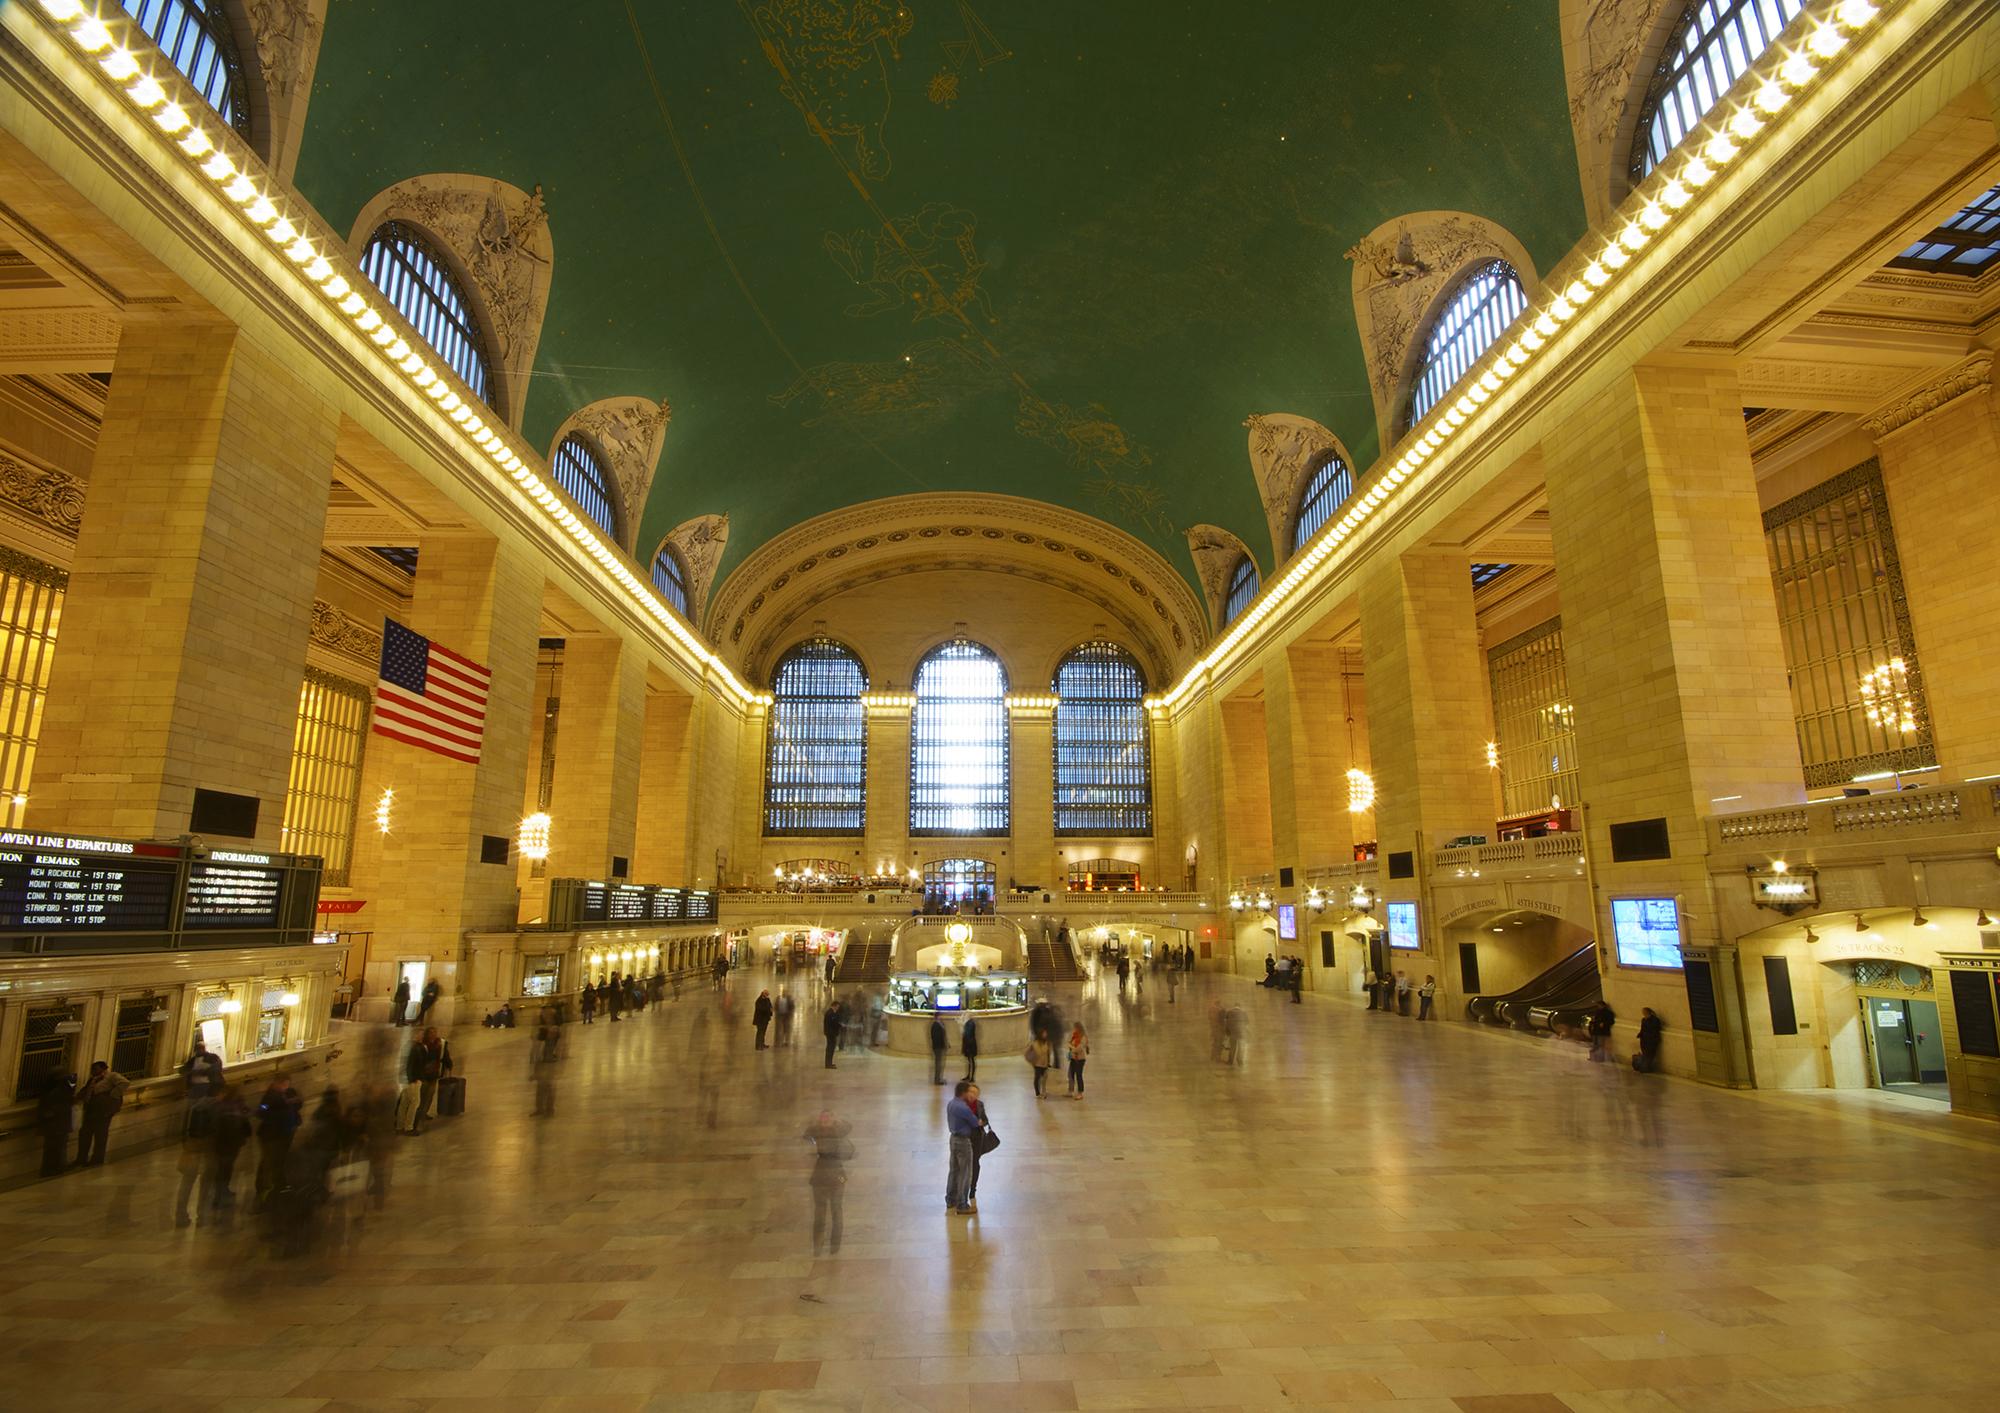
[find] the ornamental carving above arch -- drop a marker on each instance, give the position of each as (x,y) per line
(286,37)
(498,238)
(1284,451)
(699,543)
(1609,46)
(1402,270)
(629,433)
(1216,553)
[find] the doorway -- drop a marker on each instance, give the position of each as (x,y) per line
(954,885)
(1904,1044)
(415,973)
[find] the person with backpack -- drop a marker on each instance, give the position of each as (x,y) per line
(100,1097)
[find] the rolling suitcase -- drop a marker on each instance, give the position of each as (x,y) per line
(451,1096)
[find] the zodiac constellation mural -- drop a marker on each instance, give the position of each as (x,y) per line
(832,57)
(928,263)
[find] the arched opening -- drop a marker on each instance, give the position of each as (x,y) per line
(416,276)
(584,478)
(1103,761)
(670,579)
(816,757)
(1485,301)
(958,742)
(1243,586)
(1331,484)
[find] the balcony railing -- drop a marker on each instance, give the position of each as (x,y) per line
(1929,809)
(1546,851)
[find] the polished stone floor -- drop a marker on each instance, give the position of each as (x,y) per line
(1368,1212)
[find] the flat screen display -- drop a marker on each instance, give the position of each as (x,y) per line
(232,895)
(1288,922)
(1403,927)
(1648,932)
(59,890)
(944,1000)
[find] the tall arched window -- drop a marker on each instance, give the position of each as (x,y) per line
(196,38)
(816,763)
(413,273)
(1331,484)
(1243,586)
(582,474)
(1104,773)
(1488,298)
(670,578)
(1713,45)
(958,742)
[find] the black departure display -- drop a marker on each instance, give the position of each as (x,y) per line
(93,886)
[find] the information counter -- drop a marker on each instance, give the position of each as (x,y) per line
(997,1000)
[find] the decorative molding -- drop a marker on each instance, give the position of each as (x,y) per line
(1403,269)
(1284,450)
(1606,44)
(16,565)
(499,237)
(1974,374)
(340,632)
(287,35)
(699,542)
(52,498)
(629,432)
(1216,552)
(55,341)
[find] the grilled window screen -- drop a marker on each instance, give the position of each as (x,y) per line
(325,784)
(135,1045)
(1331,484)
(1534,723)
(31,599)
(958,743)
(195,37)
(405,266)
(816,759)
(1242,589)
(671,579)
(1714,44)
(1104,778)
(1489,298)
(44,1050)
(1842,612)
(584,479)
(1966,244)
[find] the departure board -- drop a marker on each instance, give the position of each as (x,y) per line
(229,894)
(598,901)
(54,884)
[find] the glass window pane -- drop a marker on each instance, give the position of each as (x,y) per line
(816,760)
(196,38)
(1243,587)
(402,263)
(585,480)
(958,743)
(1331,484)
(1103,764)
(1715,44)
(1488,299)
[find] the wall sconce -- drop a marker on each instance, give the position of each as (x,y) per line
(1362,899)
(1917,918)
(534,841)
(384,807)
(1236,902)
(1492,755)
(1811,936)
(1982,920)
(1316,899)
(1860,923)
(1360,791)
(1784,889)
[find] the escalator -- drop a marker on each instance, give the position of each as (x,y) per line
(1555,1000)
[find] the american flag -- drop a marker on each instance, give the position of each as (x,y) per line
(429,696)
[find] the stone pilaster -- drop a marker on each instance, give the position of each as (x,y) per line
(595,797)
(1031,789)
(888,819)
(191,590)
(659,850)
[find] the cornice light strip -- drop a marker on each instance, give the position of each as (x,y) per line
(1793,63)
(138,72)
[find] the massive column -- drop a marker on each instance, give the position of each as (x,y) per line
(1673,656)
(595,796)
(1938,450)
(888,817)
(190,594)
(1031,791)
(659,847)
(481,599)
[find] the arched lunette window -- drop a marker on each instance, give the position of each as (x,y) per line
(1713,45)
(582,475)
(1243,585)
(958,742)
(816,762)
(196,38)
(670,578)
(404,264)
(1331,484)
(1487,299)
(1103,764)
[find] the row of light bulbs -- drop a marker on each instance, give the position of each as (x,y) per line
(154,88)
(1732,128)
(1361,899)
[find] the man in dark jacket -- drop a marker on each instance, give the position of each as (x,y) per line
(431,993)
(101,1097)
(202,1071)
(278,1113)
(836,1018)
(429,1061)
(1650,1026)
(760,1016)
(939,1039)
(399,1004)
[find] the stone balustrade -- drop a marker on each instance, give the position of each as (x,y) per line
(1923,811)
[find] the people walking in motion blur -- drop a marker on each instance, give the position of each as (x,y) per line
(1218,1029)
(1040,1056)
(1647,1061)
(428,1062)
(544,1051)
(832,1150)
(968,1046)
(1236,1031)
(201,1071)
(432,991)
(587,1003)
(830,1026)
(1079,1051)
(1373,983)
(1602,1019)
(100,1097)
(278,1114)
(399,1004)
(940,1042)
(783,1010)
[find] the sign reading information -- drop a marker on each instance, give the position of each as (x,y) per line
(232,895)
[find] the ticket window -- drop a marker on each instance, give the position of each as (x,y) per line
(272,1029)
(210,1029)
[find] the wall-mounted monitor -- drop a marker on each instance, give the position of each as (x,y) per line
(1403,927)
(1288,922)
(1647,931)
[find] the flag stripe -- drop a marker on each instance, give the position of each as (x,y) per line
(468,758)
(430,697)
(461,659)
(412,721)
(474,681)
(450,711)
(472,704)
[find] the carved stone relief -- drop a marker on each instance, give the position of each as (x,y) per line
(1974,375)
(700,543)
(630,431)
(1284,450)
(500,237)
(1402,269)
(58,340)
(1605,43)
(1216,553)
(340,632)
(286,34)
(50,497)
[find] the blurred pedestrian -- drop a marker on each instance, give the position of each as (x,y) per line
(783,1009)
(1040,1056)
(587,1003)
(760,1017)
(961,1124)
(52,1117)
(830,1026)
(278,1113)
(201,1071)
(1602,1019)
(428,1062)
(544,1050)
(1218,1029)
(100,1097)
(1374,996)
(1650,1026)
(968,1046)
(431,993)
(228,1131)
(1079,1051)
(1236,1024)
(399,1004)
(940,1040)
(614,996)
(1402,993)
(832,1149)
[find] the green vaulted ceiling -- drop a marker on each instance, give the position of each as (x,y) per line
(1055,248)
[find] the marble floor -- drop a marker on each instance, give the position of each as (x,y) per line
(1368,1212)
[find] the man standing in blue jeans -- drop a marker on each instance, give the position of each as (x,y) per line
(962,1120)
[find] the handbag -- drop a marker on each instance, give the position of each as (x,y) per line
(985,1141)
(347,1180)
